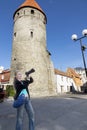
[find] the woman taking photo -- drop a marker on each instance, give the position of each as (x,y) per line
(20,85)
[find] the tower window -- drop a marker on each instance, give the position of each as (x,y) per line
(24,11)
(15,34)
(44,20)
(31,34)
(2,77)
(18,13)
(32,11)
(14,59)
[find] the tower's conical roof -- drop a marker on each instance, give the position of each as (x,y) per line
(30,3)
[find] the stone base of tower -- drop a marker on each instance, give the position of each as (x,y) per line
(39,94)
(42,93)
(44,78)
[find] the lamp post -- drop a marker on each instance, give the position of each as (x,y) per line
(75,38)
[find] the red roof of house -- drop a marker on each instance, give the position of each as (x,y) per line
(6,76)
(59,72)
(72,72)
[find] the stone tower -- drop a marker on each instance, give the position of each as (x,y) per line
(29,48)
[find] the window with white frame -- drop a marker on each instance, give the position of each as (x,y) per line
(2,77)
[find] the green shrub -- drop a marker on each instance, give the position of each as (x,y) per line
(10,91)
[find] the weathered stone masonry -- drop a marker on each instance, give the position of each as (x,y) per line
(29,48)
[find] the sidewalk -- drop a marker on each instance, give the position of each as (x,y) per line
(9,99)
(61,95)
(73,95)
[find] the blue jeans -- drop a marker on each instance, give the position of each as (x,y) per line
(30,112)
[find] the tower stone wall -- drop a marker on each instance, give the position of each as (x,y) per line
(29,50)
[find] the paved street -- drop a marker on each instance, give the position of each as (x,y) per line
(66,112)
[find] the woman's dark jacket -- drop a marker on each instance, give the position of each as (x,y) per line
(20,85)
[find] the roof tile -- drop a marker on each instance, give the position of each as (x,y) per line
(31,3)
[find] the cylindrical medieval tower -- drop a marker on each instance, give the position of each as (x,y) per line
(29,47)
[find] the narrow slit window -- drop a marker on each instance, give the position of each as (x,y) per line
(15,34)
(32,11)
(14,59)
(18,13)
(31,34)
(24,11)
(44,21)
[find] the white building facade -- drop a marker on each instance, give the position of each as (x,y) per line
(65,83)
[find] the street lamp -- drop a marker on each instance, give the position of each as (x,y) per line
(75,38)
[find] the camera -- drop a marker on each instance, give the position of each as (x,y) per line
(29,72)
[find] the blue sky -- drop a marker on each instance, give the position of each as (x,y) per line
(64,17)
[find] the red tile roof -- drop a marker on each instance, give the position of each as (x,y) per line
(58,72)
(6,74)
(31,3)
(76,77)
(72,72)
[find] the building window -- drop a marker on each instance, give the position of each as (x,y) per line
(31,34)
(15,34)
(18,13)
(32,11)
(62,78)
(14,59)
(62,88)
(44,21)
(67,79)
(2,77)
(68,88)
(24,11)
